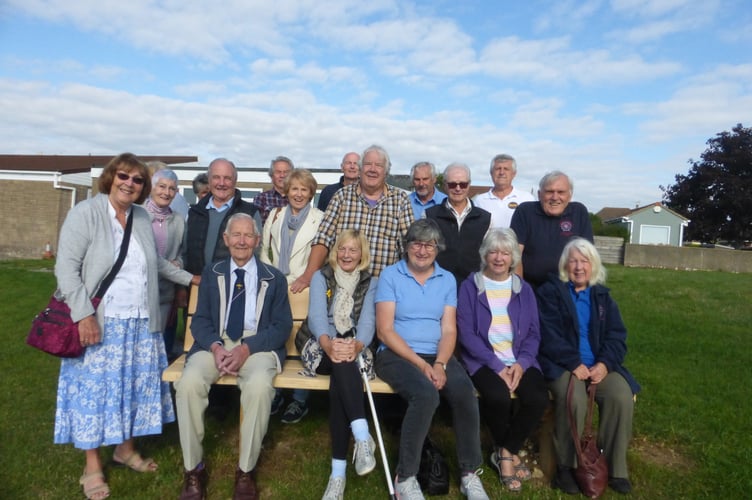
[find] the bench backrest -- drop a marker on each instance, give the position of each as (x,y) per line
(298,305)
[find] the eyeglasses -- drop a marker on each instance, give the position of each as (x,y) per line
(124,177)
(418,245)
(455,185)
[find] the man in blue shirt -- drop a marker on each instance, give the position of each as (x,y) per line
(425,195)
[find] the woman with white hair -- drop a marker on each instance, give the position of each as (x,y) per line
(582,334)
(497,327)
(168,227)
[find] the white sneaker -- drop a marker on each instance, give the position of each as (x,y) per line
(409,489)
(335,490)
(363,456)
(472,487)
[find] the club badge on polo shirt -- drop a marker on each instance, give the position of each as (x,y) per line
(566,227)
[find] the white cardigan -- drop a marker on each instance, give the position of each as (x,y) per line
(301,248)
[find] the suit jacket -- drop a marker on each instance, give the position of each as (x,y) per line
(301,248)
(273,314)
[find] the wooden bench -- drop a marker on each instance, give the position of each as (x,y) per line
(291,376)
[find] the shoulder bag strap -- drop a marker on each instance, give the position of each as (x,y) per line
(572,423)
(588,430)
(107,281)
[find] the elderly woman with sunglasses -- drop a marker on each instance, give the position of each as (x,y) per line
(416,303)
(113,392)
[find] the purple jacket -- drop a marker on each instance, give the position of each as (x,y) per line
(474,320)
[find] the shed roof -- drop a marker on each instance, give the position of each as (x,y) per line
(610,213)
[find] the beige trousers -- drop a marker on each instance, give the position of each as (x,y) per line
(256,394)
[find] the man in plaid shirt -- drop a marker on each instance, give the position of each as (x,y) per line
(382,212)
(279,168)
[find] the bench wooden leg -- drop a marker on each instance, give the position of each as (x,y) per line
(546,451)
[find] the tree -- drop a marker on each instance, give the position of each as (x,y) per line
(613,230)
(716,194)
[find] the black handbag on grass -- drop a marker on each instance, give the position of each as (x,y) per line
(433,474)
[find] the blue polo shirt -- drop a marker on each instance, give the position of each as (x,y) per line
(418,308)
(419,207)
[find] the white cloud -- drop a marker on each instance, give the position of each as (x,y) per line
(704,105)
(662,18)
(554,61)
(566,15)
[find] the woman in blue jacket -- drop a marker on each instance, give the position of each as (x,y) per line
(497,326)
(582,333)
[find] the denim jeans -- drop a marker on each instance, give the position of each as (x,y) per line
(422,400)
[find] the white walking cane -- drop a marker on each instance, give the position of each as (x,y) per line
(364,374)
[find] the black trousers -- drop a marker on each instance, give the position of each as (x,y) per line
(345,401)
(510,424)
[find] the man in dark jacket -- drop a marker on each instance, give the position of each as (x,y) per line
(207,218)
(463,224)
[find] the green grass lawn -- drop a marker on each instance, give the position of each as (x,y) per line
(689,346)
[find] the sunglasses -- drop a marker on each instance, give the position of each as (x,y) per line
(124,177)
(454,185)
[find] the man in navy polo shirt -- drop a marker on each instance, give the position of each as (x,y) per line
(545,226)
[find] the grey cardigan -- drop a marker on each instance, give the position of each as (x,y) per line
(175,229)
(84,258)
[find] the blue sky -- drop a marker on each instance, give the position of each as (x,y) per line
(619,94)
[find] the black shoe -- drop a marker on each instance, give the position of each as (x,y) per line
(194,484)
(564,480)
(620,485)
(295,412)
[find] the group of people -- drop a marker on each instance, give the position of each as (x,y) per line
(441,295)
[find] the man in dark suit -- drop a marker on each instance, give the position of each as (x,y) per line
(240,327)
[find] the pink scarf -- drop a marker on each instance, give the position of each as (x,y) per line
(158,225)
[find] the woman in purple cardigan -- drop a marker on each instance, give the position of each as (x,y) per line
(497,326)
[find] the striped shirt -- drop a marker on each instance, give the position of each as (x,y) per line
(500,334)
(384,225)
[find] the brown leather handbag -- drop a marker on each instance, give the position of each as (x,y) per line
(591,472)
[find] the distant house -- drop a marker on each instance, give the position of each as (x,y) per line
(653,224)
(38,191)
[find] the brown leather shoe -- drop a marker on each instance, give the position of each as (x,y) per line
(194,484)
(245,485)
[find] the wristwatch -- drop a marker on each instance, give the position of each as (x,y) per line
(443,365)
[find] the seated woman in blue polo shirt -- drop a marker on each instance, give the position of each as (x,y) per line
(416,302)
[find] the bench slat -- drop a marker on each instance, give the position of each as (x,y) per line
(290,378)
